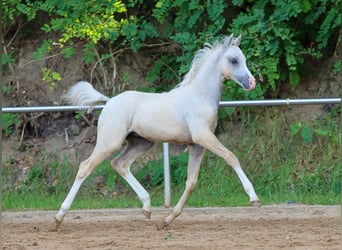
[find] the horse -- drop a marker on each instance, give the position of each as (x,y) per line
(187,114)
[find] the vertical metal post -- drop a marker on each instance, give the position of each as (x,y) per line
(167,185)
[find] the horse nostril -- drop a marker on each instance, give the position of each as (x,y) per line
(251,82)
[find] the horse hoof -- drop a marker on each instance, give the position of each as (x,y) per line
(58,221)
(164,225)
(147,214)
(55,225)
(256,203)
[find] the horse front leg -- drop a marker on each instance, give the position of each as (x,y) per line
(209,141)
(196,153)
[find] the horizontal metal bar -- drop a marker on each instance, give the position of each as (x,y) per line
(276,102)
(49,109)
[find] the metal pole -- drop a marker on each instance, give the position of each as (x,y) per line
(276,102)
(167,183)
(49,109)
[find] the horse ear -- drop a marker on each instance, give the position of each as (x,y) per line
(229,40)
(237,41)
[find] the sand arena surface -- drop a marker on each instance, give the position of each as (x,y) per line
(267,227)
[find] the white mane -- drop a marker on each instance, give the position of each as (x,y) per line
(201,55)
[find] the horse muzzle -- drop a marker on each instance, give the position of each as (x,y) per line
(251,82)
(248,83)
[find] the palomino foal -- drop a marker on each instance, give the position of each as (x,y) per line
(186,115)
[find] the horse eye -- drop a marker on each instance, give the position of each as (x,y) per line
(234,60)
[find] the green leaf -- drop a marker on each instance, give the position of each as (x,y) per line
(8,121)
(295,128)
(237,2)
(306,5)
(42,50)
(193,19)
(89,54)
(160,12)
(149,29)
(294,78)
(130,30)
(215,9)
(119,7)
(68,52)
(337,67)
(56,76)
(6,59)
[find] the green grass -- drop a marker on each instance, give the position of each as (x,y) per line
(286,160)
(200,198)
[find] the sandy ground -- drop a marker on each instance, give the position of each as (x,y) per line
(268,227)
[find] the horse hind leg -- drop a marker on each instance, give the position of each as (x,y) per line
(136,146)
(85,168)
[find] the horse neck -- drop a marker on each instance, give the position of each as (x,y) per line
(209,78)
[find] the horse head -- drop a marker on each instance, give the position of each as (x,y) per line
(233,64)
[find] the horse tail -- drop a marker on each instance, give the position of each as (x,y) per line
(83,94)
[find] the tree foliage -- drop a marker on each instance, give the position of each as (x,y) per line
(278,36)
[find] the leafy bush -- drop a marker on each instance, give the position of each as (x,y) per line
(278,36)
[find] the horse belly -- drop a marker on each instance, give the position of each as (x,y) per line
(162,126)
